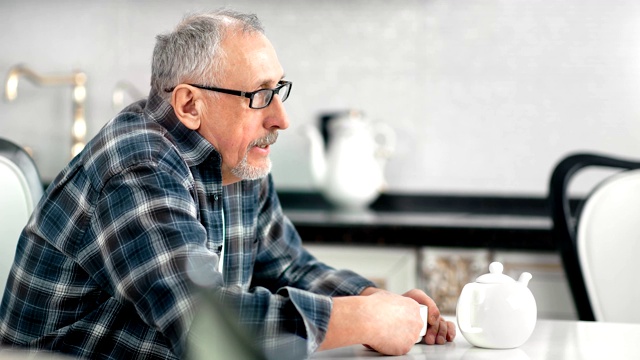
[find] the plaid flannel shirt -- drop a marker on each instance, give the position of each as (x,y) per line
(100,268)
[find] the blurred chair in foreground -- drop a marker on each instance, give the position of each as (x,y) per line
(599,241)
(20,191)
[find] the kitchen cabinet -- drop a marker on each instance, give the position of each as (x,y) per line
(393,269)
(446,241)
(404,220)
(443,272)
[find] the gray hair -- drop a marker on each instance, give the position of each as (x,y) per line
(192,52)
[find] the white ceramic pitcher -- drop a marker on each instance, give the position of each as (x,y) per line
(350,171)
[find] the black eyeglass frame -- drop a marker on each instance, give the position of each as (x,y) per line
(248,95)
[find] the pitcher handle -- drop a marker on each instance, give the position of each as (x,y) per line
(385,139)
(463,313)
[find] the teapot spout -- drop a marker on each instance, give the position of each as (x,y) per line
(316,153)
(524,278)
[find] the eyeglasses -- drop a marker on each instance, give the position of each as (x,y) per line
(258,99)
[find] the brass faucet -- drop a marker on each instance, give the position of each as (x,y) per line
(77,80)
(124,87)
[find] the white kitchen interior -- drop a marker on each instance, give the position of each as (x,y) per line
(485,97)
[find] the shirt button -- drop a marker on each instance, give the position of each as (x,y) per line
(215,197)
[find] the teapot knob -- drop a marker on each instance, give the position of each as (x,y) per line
(496,267)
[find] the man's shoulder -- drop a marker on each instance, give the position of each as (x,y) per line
(131,139)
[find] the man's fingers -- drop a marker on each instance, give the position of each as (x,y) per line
(441,338)
(440,333)
(451,331)
(432,333)
(434,313)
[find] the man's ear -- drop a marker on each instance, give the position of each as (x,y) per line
(184,101)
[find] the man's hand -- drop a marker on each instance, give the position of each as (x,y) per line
(396,323)
(386,322)
(439,331)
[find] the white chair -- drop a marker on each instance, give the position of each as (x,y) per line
(600,246)
(20,190)
(609,248)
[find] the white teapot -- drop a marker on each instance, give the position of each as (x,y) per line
(350,171)
(496,311)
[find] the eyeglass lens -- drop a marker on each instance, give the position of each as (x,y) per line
(263,98)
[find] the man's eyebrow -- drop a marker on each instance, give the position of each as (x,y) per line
(266,83)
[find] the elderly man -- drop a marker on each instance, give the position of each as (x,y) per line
(128,236)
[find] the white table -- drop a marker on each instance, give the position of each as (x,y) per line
(552,339)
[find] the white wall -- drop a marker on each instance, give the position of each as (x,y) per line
(485,95)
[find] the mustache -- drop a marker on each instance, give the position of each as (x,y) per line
(268,139)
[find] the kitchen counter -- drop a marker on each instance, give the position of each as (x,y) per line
(425,220)
(551,339)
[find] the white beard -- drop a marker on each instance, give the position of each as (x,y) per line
(246,171)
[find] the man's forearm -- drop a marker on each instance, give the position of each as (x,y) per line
(346,323)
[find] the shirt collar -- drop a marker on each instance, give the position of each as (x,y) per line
(194,148)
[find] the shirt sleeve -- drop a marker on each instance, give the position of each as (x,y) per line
(137,245)
(284,267)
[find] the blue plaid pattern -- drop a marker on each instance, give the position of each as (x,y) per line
(101,268)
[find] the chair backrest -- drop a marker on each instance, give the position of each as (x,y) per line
(20,190)
(579,271)
(609,248)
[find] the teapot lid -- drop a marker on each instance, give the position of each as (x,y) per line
(495,275)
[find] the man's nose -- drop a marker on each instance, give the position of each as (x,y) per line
(277,117)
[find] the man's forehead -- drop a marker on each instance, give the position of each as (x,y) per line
(252,58)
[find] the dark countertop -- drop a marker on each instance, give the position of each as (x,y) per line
(521,223)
